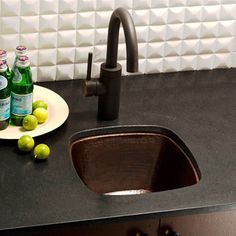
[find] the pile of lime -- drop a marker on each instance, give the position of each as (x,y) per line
(38,116)
(26,144)
(30,122)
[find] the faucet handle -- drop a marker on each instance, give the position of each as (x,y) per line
(92,86)
(89,68)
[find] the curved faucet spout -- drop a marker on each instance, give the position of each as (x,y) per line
(123,16)
(107,87)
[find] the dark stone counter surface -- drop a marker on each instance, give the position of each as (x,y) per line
(200,107)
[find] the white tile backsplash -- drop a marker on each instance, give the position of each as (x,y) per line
(10,7)
(173,35)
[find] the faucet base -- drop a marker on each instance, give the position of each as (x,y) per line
(109,102)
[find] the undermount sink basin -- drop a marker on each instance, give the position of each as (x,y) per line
(132,159)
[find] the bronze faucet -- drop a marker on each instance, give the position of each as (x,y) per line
(107,87)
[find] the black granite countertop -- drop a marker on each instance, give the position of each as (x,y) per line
(200,107)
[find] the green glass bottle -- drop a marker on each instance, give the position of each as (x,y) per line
(5,96)
(19,51)
(3,57)
(21,91)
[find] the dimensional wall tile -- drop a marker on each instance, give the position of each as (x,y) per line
(124,3)
(142,34)
(47,40)
(174,31)
(141,69)
(205,61)
(10,8)
(194,2)
(193,14)
(155,50)
(155,65)
(210,13)
(30,39)
(86,5)
(157,33)
(177,3)
(102,19)
(67,6)
(47,57)
(222,60)
(227,11)
(9,25)
(121,52)
(175,15)
(233,59)
(141,17)
(65,55)
(142,48)
(99,53)
(104,5)
(234,45)
(33,55)
(65,72)
(85,20)
(66,38)
(34,71)
(211,2)
(101,36)
(29,24)
(48,23)
(209,29)
(172,48)
(171,64)
(48,7)
(9,41)
(85,37)
(207,46)
(160,3)
(158,16)
(81,54)
(172,35)
(29,7)
(46,73)
(10,57)
(80,70)
(227,28)
(190,47)
(191,30)
(188,63)
(67,21)
(225,45)
(142,4)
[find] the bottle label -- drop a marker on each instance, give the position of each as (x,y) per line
(5,108)
(3,82)
(21,104)
(17,76)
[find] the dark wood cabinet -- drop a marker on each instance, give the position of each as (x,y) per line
(210,224)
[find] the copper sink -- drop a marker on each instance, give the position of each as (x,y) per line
(136,159)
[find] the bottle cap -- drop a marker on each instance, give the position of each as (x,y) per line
(3,66)
(23,61)
(21,50)
(3,55)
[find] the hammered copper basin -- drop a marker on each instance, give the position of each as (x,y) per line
(135,159)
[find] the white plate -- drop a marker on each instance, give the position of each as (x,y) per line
(58,112)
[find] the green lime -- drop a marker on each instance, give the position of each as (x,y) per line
(41,151)
(25,143)
(41,114)
(39,103)
(30,122)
